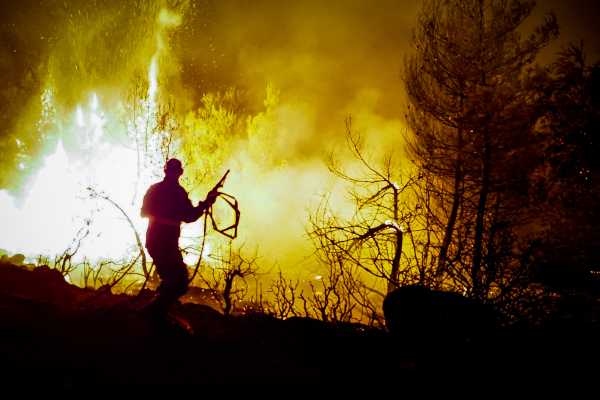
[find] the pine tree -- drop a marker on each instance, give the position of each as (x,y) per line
(472,107)
(566,185)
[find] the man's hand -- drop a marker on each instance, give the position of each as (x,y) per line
(214,193)
(211,198)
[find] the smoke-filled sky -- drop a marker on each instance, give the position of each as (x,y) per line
(331,58)
(328,59)
(334,57)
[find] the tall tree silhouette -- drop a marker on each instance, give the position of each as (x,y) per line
(566,184)
(472,107)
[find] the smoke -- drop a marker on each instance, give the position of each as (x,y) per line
(326,59)
(323,56)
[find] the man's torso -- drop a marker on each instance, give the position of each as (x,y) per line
(166,204)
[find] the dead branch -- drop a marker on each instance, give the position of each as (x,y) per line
(93,194)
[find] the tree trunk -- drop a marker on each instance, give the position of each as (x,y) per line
(393,282)
(455,201)
(479,222)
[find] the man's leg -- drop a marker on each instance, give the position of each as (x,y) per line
(173,272)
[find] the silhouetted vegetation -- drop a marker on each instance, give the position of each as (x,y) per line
(566,185)
(473,108)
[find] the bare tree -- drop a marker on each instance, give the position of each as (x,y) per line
(220,277)
(64,262)
(337,296)
(371,237)
(92,276)
(140,247)
(285,293)
(331,300)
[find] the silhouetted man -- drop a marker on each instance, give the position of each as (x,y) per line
(167,205)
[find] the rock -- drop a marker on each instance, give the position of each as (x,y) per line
(105,288)
(307,327)
(42,284)
(49,275)
(417,312)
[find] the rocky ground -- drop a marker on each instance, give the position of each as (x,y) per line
(53,343)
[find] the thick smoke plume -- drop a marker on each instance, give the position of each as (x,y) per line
(327,60)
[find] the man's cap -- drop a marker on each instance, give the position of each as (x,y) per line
(173,165)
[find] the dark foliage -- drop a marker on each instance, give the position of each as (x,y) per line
(567,186)
(473,108)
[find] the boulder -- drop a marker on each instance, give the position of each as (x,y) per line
(418,312)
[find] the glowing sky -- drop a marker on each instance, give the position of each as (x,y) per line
(328,58)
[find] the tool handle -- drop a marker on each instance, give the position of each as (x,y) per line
(222,181)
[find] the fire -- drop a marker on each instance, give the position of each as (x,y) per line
(57,205)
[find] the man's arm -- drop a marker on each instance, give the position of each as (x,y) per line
(192,213)
(203,206)
(210,200)
(173,203)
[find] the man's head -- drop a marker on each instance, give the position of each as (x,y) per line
(173,168)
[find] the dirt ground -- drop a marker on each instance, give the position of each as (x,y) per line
(51,343)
